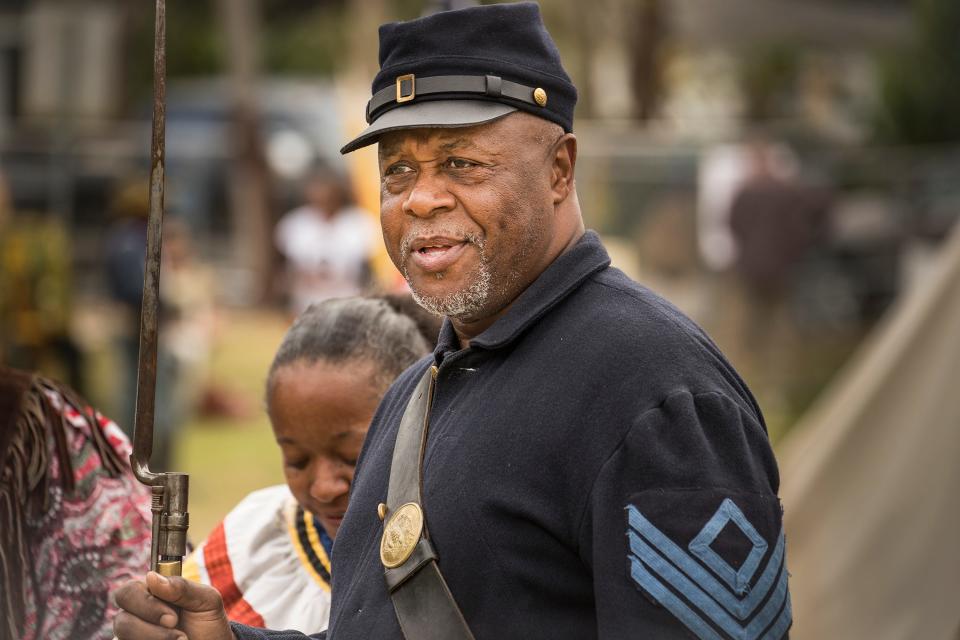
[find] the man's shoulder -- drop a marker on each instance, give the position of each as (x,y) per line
(397,395)
(626,331)
(622,308)
(408,379)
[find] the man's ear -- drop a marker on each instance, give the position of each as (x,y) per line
(564,163)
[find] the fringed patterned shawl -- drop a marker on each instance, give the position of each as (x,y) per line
(74,523)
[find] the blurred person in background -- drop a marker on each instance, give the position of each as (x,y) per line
(125,250)
(776,220)
(327,243)
(185,298)
(5,218)
(6,207)
(36,296)
(187,332)
(74,522)
(270,557)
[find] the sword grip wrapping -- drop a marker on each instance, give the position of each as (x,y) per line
(175,519)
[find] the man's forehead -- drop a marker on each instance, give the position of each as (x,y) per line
(479,137)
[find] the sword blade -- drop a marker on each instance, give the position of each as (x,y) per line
(150,308)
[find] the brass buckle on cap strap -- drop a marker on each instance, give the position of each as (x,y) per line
(401,95)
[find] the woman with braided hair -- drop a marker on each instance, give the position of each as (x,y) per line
(270,557)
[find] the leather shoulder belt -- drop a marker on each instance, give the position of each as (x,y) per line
(425,607)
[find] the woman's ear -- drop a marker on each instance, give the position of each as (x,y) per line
(564,163)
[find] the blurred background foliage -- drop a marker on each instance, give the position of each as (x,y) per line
(919,95)
(919,82)
(298,37)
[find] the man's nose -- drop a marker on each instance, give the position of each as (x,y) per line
(329,482)
(428,196)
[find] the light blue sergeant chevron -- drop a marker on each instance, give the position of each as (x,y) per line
(739,580)
(666,572)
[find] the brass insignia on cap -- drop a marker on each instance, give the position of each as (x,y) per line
(406,87)
(540,96)
(401,535)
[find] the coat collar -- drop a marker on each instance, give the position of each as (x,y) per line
(559,280)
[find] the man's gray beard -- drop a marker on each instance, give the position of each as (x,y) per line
(462,304)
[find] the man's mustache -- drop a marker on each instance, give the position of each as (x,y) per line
(459,234)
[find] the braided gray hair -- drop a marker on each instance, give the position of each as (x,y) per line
(385,331)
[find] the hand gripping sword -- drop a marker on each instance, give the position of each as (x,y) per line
(168,490)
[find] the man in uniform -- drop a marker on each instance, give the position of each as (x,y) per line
(594,467)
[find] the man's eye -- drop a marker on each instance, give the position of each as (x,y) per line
(397,169)
(459,163)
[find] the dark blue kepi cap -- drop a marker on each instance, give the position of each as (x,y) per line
(466,67)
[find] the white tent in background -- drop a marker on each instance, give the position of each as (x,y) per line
(871,479)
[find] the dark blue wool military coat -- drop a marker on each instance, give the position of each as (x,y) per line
(595,468)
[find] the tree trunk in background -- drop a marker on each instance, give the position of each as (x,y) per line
(648,29)
(586,39)
(364,18)
(249,177)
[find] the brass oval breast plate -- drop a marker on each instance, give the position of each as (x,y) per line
(401,535)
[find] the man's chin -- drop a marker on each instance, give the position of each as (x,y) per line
(454,293)
(465,303)
(436,288)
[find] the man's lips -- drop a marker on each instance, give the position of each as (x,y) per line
(434,255)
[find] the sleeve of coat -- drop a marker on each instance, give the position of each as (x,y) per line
(683,527)
(243,632)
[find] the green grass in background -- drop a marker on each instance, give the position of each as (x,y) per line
(229,458)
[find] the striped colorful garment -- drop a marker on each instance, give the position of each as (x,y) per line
(270,560)
(74,522)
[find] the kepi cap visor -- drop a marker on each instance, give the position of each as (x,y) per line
(427,115)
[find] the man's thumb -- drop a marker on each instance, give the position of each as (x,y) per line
(189,596)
